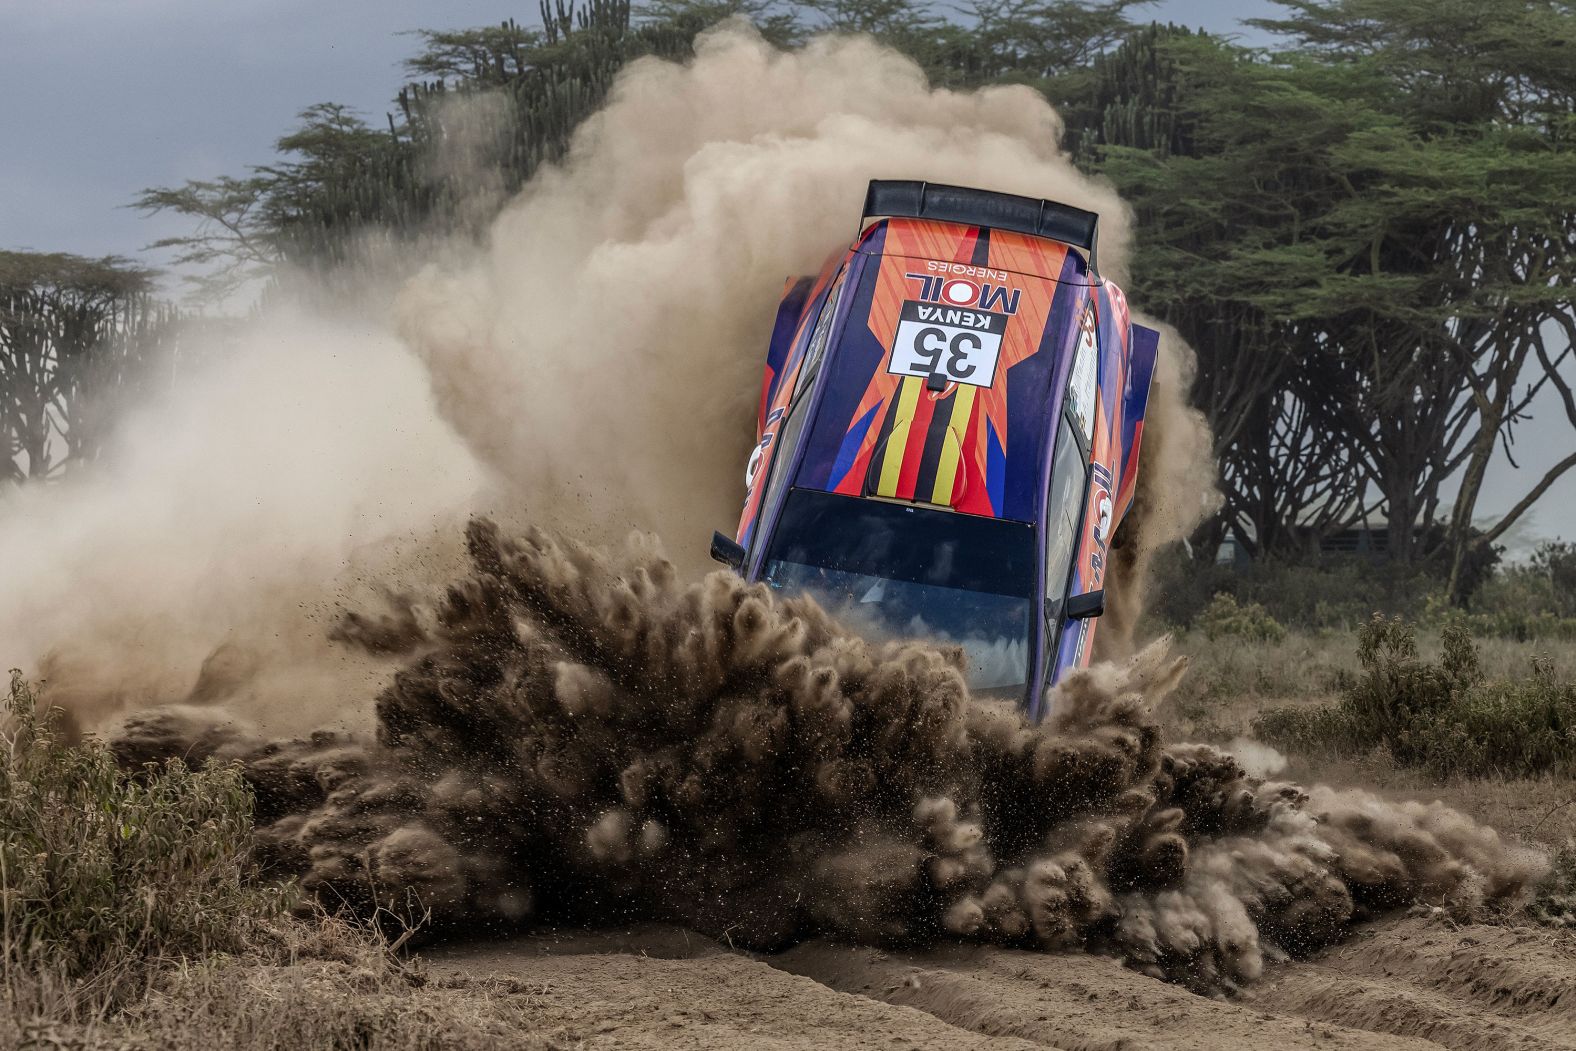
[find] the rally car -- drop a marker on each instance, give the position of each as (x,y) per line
(949,431)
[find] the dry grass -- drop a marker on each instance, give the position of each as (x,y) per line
(1232,681)
(130,917)
(1445,714)
(224,965)
(323,984)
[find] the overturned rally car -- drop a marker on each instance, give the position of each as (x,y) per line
(949,430)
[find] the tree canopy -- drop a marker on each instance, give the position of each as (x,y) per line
(1368,235)
(74,332)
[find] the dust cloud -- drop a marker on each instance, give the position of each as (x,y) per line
(1256,757)
(1175,491)
(579,736)
(605,353)
(208,551)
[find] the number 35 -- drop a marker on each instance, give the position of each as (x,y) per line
(931,343)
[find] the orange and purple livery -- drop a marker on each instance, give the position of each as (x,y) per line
(949,431)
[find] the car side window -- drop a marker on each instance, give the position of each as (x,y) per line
(816,351)
(1063,514)
(798,408)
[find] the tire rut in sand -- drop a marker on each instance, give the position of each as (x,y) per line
(670,989)
(1467,987)
(1076,1002)
(1404,983)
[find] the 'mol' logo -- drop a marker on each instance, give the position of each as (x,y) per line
(961,292)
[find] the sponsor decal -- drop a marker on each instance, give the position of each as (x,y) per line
(1102,507)
(966,292)
(936,266)
(954,326)
(758,453)
(958,343)
(1084,382)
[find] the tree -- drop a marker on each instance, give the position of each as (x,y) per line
(1213,148)
(338,177)
(1466,224)
(1366,230)
(1367,235)
(230,245)
(1047,44)
(74,334)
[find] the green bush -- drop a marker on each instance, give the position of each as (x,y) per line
(1224,618)
(1553,566)
(101,869)
(1444,716)
(1532,601)
(1338,593)
(1519,625)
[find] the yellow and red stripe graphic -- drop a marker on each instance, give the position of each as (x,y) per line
(930,446)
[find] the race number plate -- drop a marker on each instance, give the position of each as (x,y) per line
(959,343)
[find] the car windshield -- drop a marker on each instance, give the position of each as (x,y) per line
(901,571)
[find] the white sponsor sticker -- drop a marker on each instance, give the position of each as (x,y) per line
(1085,377)
(960,344)
(1102,517)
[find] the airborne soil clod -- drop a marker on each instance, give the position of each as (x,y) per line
(583,736)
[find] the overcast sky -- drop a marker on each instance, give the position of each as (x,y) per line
(106,97)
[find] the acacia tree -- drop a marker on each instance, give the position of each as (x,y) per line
(339,178)
(75,333)
(1213,151)
(1048,44)
(1370,230)
(1366,231)
(335,177)
(1461,240)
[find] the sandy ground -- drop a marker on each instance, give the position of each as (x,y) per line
(1408,982)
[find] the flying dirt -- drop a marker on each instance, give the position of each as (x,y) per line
(587,737)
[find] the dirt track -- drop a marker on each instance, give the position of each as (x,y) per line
(1405,983)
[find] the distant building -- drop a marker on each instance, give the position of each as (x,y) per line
(1365,539)
(1232,552)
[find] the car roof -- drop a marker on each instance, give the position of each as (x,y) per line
(978,447)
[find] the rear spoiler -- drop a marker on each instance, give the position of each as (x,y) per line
(912,199)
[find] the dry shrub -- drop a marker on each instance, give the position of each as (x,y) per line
(322,982)
(105,871)
(132,914)
(1225,618)
(1443,715)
